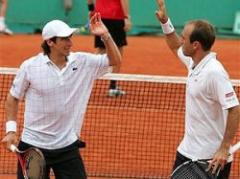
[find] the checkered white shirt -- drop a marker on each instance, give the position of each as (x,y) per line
(56,100)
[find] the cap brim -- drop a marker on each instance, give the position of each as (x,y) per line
(67,32)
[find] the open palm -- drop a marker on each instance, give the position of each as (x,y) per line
(96,25)
(161,13)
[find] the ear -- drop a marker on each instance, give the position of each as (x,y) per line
(196,45)
(50,43)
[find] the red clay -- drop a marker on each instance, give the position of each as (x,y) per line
(143,55)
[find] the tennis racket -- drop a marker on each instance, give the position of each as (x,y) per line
(197,169)
(32,162)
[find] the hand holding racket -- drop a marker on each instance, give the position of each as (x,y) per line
(32,162)
(198,169)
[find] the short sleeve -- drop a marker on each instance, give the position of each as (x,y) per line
(223,90)
(97,63)
(20,83)
(103,65)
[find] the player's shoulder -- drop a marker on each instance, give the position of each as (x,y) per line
(215,67)
(78,55)
(216,71)
(36,60)
(82,57)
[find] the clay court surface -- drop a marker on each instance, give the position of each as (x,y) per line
(144,55)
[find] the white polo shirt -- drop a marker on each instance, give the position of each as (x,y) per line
(209,93)
(56,100)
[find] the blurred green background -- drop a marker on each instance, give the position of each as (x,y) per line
(29,16)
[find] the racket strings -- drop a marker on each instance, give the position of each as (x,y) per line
(193,170)
(35,164)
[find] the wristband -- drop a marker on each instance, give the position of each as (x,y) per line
(11,126)
(167,27)
(90,7)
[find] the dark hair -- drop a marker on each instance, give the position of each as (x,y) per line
(45,47)
(204,33)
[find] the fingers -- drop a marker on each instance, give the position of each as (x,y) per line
(13,148)
(160,2)
(161,13)
(215,165)
(161,5)
(96,25)
(95,18)
(98,17)
(157,15)
(9,139)
(91,13)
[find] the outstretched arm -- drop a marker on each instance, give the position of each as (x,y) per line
(98,28)
(11,114)
(172,39)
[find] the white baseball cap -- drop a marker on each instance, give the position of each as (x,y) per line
(56,28)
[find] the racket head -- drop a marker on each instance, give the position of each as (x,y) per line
(193,170)
(34,163)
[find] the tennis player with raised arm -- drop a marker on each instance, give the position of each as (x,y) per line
(212,107)
(56,86)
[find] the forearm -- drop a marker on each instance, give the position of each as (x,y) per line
(11,125)
(11,108)
(125,7)
(111,50)
(232,126)
(173,41)
(171,37)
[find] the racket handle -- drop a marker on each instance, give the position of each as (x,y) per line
(13,148)
(235,148)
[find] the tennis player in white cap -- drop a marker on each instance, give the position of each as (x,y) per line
(56,86)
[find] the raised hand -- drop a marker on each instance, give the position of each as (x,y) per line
(96,25)
(161,13)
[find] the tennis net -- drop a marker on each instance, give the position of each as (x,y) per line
(130,136)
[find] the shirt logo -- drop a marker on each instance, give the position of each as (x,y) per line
(229,94)
(74,69)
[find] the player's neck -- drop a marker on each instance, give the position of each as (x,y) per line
(58,60)
(198,57)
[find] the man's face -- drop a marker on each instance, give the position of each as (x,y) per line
(188,49)
(62,45)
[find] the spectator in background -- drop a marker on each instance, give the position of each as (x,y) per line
(115,16)
(3,27)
